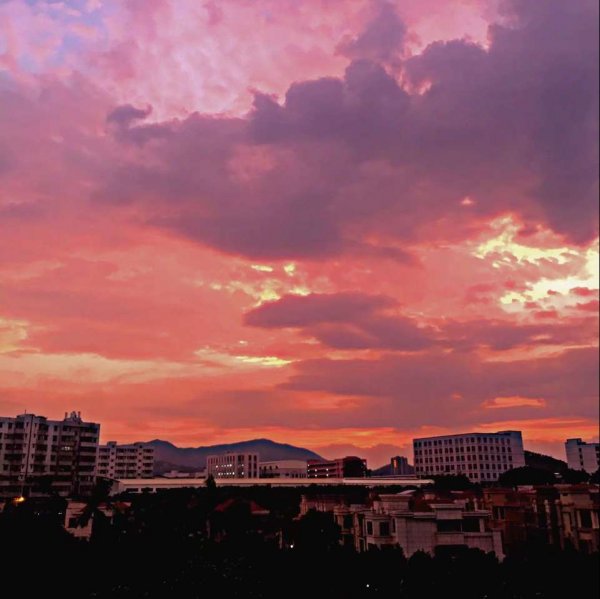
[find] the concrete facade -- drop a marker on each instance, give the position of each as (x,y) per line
(232,465)
(38,455)
(582,455)
(578,509)
(135,460)
(524,515)
(349,466)
(482,457)
(283,469)
(397,520)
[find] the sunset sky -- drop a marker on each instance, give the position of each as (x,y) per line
(333,223)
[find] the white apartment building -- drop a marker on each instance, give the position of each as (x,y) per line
(395,520)
(135,460)
(233,465)
(283,469)
(38,455)
(482,457)
(582,455)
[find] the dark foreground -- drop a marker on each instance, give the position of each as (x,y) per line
(164,550)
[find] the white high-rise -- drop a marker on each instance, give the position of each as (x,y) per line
(582,455)
(480,456)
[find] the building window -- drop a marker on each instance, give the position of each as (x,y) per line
(449,525)
(585,518)
(471,525)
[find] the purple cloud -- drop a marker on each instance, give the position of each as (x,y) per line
(514,126)
(359,321)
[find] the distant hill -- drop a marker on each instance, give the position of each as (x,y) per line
(385,470)
(545,462)
(168,456)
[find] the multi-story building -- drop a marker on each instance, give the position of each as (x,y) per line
(578,509)
(283,469)
(399,466)
(39,456)
(348,467)
(322,503)
(582,455)
(415,523)
(482,457)
(524,515)
(233,465)
(135,460)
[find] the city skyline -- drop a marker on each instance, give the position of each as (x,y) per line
(340,225)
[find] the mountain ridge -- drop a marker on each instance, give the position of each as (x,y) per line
(168,456)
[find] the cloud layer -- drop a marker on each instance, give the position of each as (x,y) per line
(371,217)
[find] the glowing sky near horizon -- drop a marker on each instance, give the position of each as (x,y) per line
(333,223)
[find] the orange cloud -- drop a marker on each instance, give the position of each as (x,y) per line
(514,402)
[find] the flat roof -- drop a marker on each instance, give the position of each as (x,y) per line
(181,483)
(505,433)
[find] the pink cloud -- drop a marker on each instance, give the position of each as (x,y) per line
(250,218)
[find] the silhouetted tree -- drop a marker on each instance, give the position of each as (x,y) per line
(99,496)
(316,531)
(452,482)
(526,475)
(575,477)
(162,556)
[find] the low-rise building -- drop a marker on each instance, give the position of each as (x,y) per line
(248,518)
(135,460)
(578,509)
(283,469)
(232,465)
(524,515)
(482,457)
(582,455)
(347,467)
(416,524)
(320,503)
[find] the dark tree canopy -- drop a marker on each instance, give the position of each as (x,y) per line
(574,477)
(452,482)
(526,475)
